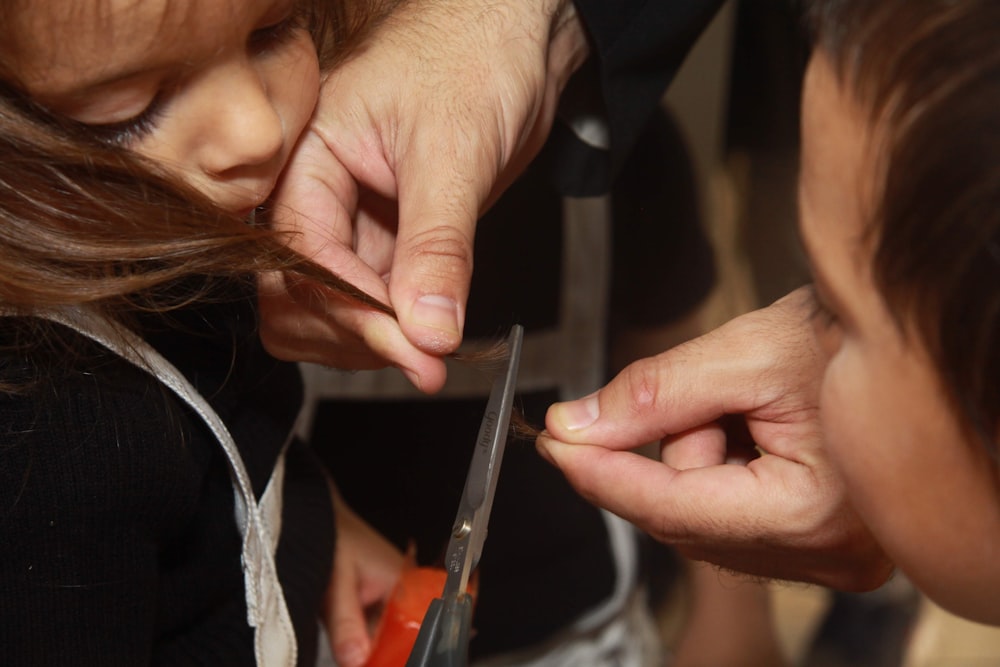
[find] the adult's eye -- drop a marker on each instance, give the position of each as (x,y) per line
(825,323)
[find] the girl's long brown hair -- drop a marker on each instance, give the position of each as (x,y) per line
(86,222)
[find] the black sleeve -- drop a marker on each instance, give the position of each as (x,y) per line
(118,544)
(638,46)
(85,496)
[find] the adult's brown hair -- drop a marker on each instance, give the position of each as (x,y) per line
(927,74)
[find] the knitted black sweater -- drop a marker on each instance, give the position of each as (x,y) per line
(118,543)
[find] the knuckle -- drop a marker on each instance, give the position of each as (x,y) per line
(441,252)
(643,388)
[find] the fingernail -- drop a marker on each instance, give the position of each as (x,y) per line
(437,312)
(351,654)
(578,414)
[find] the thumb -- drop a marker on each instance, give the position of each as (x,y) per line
(763,363)
(674,392)
(429,284)
(443,186)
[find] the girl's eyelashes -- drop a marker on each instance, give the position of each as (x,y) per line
(130,130)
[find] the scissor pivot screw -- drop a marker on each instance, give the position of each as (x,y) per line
(462,529)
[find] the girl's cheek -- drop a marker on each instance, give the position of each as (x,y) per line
(292,78)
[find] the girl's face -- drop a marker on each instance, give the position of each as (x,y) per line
(217,91)
(927,490)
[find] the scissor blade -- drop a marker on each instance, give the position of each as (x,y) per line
(469,532)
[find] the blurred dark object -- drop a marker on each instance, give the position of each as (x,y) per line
(865,629)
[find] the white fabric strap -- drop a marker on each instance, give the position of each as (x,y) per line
(259,524)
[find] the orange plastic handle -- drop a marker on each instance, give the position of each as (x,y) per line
(404,612)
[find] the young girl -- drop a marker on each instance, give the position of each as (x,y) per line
(137,139)
(880,424)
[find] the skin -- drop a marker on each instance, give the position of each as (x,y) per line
(782,515)
(226,99)
(848,409)
(219,92)
(862,451)
(888,426)
(415,135)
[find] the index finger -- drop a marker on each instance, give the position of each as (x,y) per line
(772,517)
(316,202)
(669,504)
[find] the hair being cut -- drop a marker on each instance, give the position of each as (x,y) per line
(84,221)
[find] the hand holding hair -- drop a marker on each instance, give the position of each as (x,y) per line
(439,111)
(783,513)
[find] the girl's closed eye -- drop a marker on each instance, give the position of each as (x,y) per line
(130,130)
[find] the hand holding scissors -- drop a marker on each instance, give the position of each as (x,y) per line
(443,640)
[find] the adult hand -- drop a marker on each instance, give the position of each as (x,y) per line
(366,567)
(783,513)
(441,107)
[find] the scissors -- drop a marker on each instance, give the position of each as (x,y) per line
(443,640)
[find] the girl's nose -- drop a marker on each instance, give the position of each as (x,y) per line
(244,127)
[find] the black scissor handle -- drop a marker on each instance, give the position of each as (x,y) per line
(443,640)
